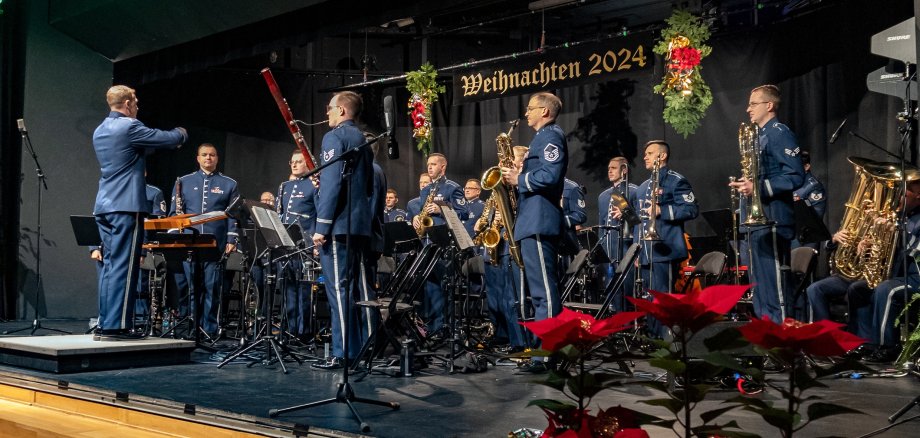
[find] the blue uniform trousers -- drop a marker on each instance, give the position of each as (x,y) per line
(208,284)
(769,246)
(297,301)
(608,274)
(541,277)
(821,292)
(659,277)
(122,236)
(346,281)
(434,304)
(875,311)
(501,299)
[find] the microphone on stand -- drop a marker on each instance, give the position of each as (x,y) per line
(21,124)
(837,132)
(389,118)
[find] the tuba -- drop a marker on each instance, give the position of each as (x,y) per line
(505,199)
(651,228)
(749,146)
(871,213)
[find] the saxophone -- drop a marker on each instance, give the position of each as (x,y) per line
(487,230)
(424,219)
(506,204)
(651,229)
(749,146)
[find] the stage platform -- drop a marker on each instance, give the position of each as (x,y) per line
(433,403)
(80,353)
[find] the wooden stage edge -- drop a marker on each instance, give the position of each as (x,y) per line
(32,403)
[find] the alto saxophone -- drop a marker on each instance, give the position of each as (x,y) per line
(505,196)
(651,229)
(424,219)
(487,229)
(749,146)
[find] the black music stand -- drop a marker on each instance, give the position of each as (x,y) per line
(809,228)
(399,237)
(279,242)
(193,248)
(344,393)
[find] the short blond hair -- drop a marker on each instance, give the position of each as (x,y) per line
(771,93)
(118,94)
(351,101)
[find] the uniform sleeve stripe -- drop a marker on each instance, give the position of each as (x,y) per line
(527,182)
(324,221)
(766,184)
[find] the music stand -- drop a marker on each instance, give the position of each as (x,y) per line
(85,230)
(722,222)
(399,237)
(809,228)
(276,236)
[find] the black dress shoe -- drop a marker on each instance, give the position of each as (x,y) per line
(118,335)
(333,363)
(534,367)
(883,355)
(864,350)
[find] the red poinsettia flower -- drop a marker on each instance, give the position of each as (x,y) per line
(684,58)
(822,338)
(571,327)
(693,310)
(560,424)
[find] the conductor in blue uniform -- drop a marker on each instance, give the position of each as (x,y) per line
(610,219)
(781,172)
(539,184)
(297,208)
(204,191)
(121,144)
(659,260)
(336,209)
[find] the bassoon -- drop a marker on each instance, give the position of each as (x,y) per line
(288,117)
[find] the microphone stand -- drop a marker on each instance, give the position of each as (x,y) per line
(40,182)
(345,393)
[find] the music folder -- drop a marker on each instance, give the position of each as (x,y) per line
(85,230)
(461,236)
(809,228)
(271,228)
(399,237)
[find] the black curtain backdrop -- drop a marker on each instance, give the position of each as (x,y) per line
(820,61)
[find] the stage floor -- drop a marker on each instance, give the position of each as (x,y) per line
(436,404)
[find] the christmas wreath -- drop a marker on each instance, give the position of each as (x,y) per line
(424,88)
(685,93)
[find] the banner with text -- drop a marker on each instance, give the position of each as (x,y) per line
(597,61)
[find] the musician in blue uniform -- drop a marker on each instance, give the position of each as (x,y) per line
(377,200)
(610,219)
(471,191)
(539,185)
(156,204)
(121,143)
(659,260)
(446,192)
(391,212)
(574,216)
(781,172)
(414,206)
(812,193)
(875,311)
(297,208)
(344,216)
(204,191)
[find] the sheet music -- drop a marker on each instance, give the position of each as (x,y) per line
(462,238)
(266,218)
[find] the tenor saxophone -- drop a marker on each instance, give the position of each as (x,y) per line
(505,202)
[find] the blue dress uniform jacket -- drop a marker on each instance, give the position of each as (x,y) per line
(448,192)
(475,207)
(413,208)
(781,172)
(609,238)
(813,194)
(395,215)
(121,143)
(156,201)
(677,204)
(203,193)
(377,200)
(331,214)
(296,203)
(540,184)
(573,204)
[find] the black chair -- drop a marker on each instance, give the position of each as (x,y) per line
(802,265)
(709,270)
(573,273)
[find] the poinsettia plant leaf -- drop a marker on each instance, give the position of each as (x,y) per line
(670,404)
(553,405)
(672,366)
(715,413)
(820,410)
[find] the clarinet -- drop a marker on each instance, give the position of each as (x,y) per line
(180,206)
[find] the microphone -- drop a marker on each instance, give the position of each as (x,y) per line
(837,132)
(22,126)
(389,118)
